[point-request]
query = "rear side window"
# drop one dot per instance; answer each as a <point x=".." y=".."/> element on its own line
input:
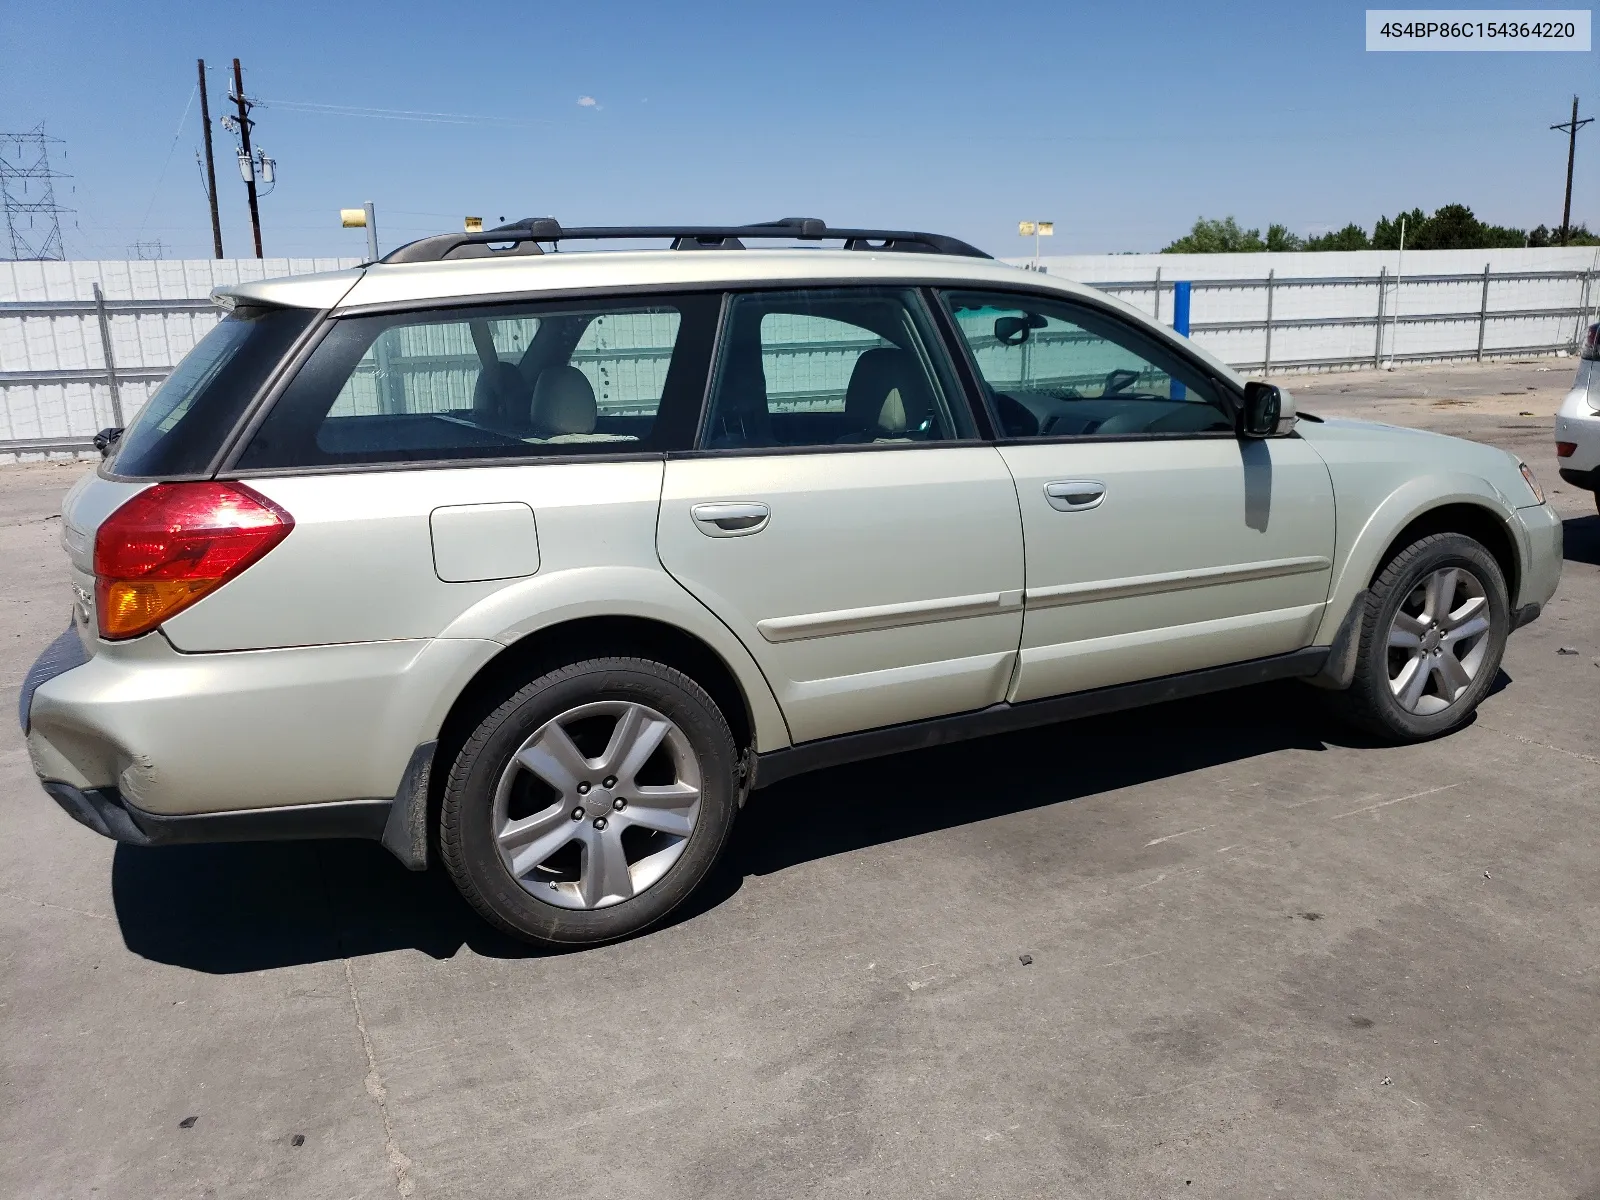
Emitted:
<point x="831" y="366"/>
<point x="501" y="382"/>
<point x="183" y="425"/>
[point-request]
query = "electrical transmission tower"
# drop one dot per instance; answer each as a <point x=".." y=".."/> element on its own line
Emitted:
<point x="28" y="195"/>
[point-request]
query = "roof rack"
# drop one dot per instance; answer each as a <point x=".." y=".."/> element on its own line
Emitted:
<point x="524" y="237"/>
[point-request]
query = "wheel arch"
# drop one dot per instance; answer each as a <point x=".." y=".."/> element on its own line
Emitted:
<point x="1428" y="505"/>
<point x="1476" y="521"/>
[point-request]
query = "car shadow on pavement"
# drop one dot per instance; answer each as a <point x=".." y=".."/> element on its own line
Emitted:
<point x="1581" y="539"/>
<point x="254" y="906"/>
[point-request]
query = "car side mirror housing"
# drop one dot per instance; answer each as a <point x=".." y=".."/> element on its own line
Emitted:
<point x="1267" y="411"/>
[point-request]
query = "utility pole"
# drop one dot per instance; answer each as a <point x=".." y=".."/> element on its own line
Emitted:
<point x="246" y="162"/>
<point x="1570" y="128"/>
<point x="211" y="166"/>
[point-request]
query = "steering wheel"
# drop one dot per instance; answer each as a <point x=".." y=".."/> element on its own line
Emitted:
<point x="1118" y="380"/>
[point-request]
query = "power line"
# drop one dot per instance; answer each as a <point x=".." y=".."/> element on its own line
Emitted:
<point x="167" y="162"/>
<point x="28" y="195"/>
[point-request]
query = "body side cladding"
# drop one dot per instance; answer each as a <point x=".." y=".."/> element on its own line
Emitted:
<point x="778" y="765"/>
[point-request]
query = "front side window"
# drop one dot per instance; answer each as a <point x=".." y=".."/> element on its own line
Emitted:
<point x="826" y="367"/>
<point x="1055" y="369"/>
<point x="601" y="377"/>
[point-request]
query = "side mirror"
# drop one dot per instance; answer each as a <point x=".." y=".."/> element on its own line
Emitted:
<point x="1263" y="406"/>
<point x="105" y="441"/>
<point x="1013" y="331"/>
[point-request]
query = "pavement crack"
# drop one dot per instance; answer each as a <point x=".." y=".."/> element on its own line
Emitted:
<point x="1527" y="741"/>
<point x="82" y="912"/>
<point x="398" y="1162"/>
<point x="1396" y="800"/>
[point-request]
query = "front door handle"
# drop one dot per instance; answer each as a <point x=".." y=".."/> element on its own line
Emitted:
<point x="730" y="520"/>
<point x="1074" y="495"/>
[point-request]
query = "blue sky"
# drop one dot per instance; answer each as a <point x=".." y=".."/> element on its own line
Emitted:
<point x="1120" y="122"/>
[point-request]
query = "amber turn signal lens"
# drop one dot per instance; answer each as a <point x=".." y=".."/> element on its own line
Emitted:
<point x="174" y="543"/>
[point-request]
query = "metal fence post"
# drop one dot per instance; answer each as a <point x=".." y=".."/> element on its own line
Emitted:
<point x="111" y="361"/>
<point x="1483" y="311"/>
<point x="1266" y="357"/>
<point x="1158" y="295"/>
<point x="1383" y="288"/>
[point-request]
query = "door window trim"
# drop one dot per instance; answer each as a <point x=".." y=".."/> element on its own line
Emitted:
<point x="936" y="348"/>
<point x="962" y="350"/>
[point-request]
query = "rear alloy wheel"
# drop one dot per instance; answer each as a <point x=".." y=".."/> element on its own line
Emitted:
<point x="1433" y="632"/>
<point x="591" y="803"/>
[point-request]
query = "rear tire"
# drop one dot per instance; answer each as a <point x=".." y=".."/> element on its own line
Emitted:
<point x="1432" y="635"/>
<point x="591" y="803"/>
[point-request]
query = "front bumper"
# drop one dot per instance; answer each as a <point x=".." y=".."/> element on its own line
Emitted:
<point x="1544" y="538"/>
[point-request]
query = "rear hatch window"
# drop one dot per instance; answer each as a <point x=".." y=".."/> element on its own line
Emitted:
<point x="184" y="424"/>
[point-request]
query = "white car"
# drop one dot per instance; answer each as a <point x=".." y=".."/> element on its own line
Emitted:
<point x="1578" y="422"/>
<point x="540" y="562"/>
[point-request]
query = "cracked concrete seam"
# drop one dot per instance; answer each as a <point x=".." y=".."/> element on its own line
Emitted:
<point x="398" y="1162"/>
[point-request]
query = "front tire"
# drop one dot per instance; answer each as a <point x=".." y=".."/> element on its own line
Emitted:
<point x="1432" y="635"/>
<point x="591" y="803"/>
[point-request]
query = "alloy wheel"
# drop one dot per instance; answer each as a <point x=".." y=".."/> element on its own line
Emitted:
<point x="1438" y="641"/>
<point x="597" y="805"/>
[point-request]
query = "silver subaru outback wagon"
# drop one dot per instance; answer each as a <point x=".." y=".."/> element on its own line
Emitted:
<point x="538" y="562"/>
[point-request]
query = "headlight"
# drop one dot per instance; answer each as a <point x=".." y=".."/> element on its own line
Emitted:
<point x="1533" y="484"/>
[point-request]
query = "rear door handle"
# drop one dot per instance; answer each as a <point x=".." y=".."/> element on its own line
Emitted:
<point x="1074" y="495"/>
<point x="730" y="520"/>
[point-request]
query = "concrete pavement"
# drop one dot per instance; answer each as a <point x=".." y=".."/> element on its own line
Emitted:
<point x="1266" y="958"/>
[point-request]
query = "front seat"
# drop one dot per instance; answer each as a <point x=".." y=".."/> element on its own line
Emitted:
<point x="499" y="397"/>
<point x="887" y="399"/>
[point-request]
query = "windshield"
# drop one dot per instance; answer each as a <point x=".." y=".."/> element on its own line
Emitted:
<point x="183" y="425"/>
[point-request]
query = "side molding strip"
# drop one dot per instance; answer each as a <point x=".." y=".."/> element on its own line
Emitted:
<point x="1002" y="718"/>
<point x="886" y="616"/>
<point x="1171" y="581"/>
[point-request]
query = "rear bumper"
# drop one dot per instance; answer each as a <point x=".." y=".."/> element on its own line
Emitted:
<point x="104" y="811"/>
<point x="146" y="744"/>
<point x="1588" y="480"/>
<point x="1579" y="424"/>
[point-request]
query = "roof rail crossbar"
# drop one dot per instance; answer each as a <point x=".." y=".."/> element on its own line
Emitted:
<point x="523" y="237"/>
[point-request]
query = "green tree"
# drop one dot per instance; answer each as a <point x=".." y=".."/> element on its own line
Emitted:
<point x="1217" y="237"/>
<point x="1451" y="227"/>
<point x="1351" y="237"/>
<point x="1279" y="239"/>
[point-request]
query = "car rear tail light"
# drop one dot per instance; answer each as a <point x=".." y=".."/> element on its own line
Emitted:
<point x="174" y="543"/>
<point x="1591" y="343"/>
<point x="1566" y="449"/>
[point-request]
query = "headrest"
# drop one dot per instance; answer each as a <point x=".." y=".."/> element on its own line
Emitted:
<point x="563" y="402"/>
<point x="500" y="393"/>
<point x="886" y="392"/>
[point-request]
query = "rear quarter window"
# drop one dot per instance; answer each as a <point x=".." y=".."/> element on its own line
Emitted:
<point x="184" y="424"/>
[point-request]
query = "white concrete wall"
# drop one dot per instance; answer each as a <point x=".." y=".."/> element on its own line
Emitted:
<point x="72" y="341"/>
<point x="1416" y="297"/>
